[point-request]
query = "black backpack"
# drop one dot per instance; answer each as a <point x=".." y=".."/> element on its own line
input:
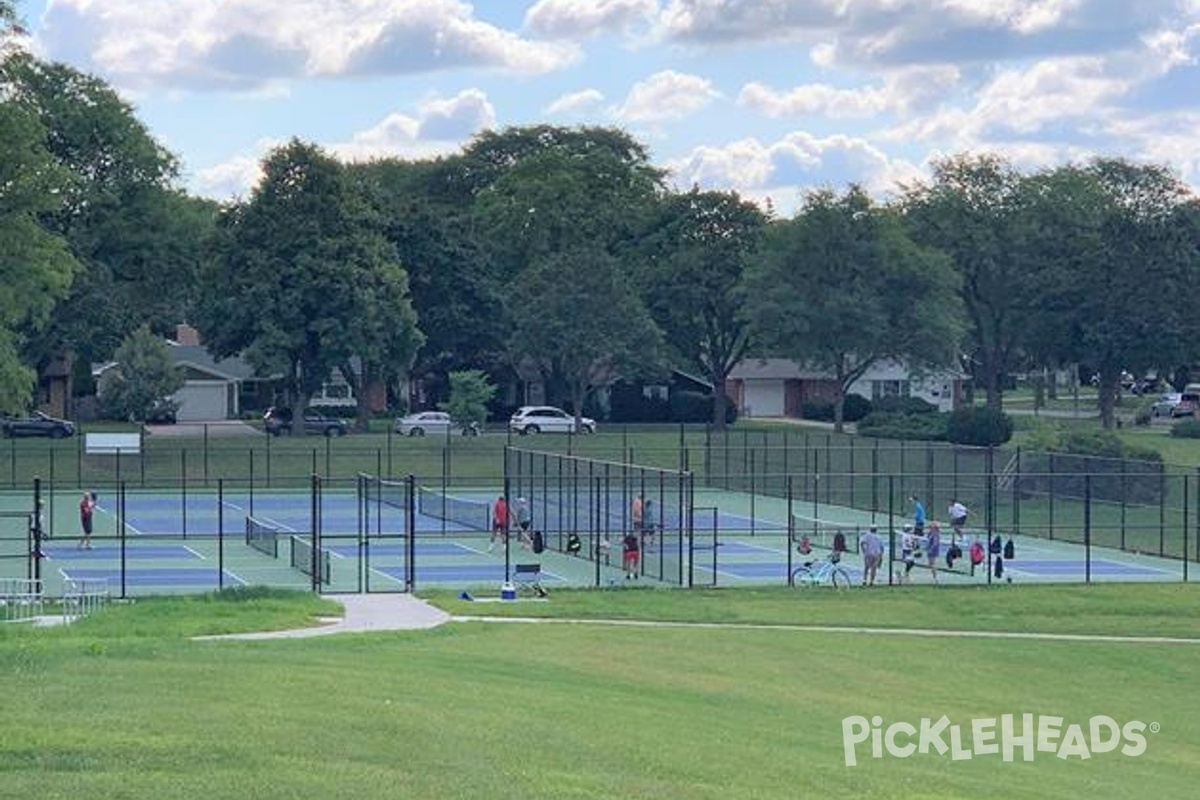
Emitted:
<point x="996" y="546"/>
<point x="1010" y="550"/>
<point x="538" y="543"/>
<point x="573" y="544"/>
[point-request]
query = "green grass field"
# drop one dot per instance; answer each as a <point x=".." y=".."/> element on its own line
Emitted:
<point x="124" y="705"/>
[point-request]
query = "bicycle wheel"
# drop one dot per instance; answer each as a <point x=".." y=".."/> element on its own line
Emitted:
<point x="802" y="576"/>
<point x="840" y="578"/>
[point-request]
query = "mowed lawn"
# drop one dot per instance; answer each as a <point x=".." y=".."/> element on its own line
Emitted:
<point x="126" y="706"/>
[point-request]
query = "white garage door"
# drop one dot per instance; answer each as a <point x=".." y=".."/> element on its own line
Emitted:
<point x="201" y="402"/>
<point x="763" y="399"/>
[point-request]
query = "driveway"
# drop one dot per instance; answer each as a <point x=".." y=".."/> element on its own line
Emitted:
<point x="222" y="429"/>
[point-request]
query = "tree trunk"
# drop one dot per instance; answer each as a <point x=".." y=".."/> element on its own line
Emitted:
<point x="720" y="400"/>
<point x="578" y="393"/>
<point x="362" y="421"/>
<point x="992" y="377"/>
<point x="1110" y="386"/>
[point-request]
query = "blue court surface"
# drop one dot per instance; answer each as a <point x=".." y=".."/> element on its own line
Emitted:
<point x="423" y="549"/>
<point x="182" y="578"/>
<point x="113" y="552"/>
<point x="460" y="573"/>
<point x="1075" y="567"/>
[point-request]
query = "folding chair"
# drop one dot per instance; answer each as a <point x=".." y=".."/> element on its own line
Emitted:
<point x="528" y="578"/>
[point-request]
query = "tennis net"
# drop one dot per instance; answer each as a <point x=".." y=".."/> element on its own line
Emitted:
<point x="264" y="536"/>
<point x="473" y="514"/>
<point x="302" y="558"/>
<point x="388" y="493"/>
<point x="824" y="534"/>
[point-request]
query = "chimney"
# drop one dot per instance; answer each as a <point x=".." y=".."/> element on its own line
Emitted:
<point x="186" y="335"/>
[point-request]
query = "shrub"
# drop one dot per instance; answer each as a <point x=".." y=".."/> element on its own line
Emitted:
<point x="979" y="426"/>
<point x="904" y="405"/>
<point x="1119" y="472"/>
<point x="1188" y="429"/>
<point x="885" y="425"/>
<point x="854" y="408"/>
<point x="697" y="407"/>
<point x="627" y="403"/>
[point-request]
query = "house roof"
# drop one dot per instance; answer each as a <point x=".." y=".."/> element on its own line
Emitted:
<point x="772" y="369"/>
<point x="198" y="358"/>
<point x="787" y="369"/>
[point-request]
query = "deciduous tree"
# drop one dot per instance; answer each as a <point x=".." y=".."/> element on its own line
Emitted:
<point x="842" y="286"/>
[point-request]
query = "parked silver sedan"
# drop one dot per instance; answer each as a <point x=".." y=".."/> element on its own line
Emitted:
<point x="433" y="423"/>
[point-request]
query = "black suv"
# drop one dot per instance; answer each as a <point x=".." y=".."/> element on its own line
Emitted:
<point x="37" y="424"/>
<point x="278" y="421"/>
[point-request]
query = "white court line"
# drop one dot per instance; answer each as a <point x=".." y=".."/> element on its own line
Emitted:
<point x="102" y="509"/>
<point x="196" y="553"/>
<point x="920" y="632"/>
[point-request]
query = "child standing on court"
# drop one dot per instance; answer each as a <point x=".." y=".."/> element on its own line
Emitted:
<point x="631" y="549"/>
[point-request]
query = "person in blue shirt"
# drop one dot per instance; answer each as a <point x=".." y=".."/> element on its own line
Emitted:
<point x="918" y="516"/>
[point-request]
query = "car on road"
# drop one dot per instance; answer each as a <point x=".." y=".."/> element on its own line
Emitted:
<point x="1165" y="405"/>
<point x="432" y="422"/>
<point x="547" y="419"/>
<point x="38" y="424"/>
<point x="1189" y="403"/>
<point x="278" y="421"/>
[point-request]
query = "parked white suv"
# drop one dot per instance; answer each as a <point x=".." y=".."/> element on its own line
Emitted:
<point x="547" y="419"/>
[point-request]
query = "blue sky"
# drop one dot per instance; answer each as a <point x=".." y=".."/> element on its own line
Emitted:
<point x="765" y="97"/>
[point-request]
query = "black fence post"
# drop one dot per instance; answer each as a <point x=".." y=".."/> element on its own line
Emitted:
<point x="891" y="524"/>
<point x="315" y="516"/>
<point x="220" y="533"/>
<point x="34" y="570"/>
<point x="1087" y="527"/>
<point x="121" y="533"/>
<point x="410" y="531"/>
<point x="791" y="529"/>
<point x="206" y="455"/>
<point x="1186" y="510"/>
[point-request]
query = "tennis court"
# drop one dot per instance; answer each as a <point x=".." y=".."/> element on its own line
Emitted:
<point x="372" y="534"/>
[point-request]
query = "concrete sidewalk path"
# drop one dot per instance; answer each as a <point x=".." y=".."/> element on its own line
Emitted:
<point x="364" y="612"/>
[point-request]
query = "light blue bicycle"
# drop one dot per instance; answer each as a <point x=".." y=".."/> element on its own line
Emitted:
<point x="818" y="573"/>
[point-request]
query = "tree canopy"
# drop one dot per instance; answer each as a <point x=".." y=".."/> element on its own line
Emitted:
<point x="577" y="317"/>
<point x="842" y="286"/>
<point x="697" y="249"/>
<point x="1116" y="263"/>
<point x="303" y="280"/>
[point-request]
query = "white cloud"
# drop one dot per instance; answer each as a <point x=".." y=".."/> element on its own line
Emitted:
<point x="440" y="126"/>
<point x="665" y="96"/>
<point x="575" y="103"/>
<point x="782" y="170"/>
<point x="242" y="43"/>
<point x="233" y="178"/>
<point x="573" y="19"/>
<point x="902" y="91"/>
<point x="882" y="32"/>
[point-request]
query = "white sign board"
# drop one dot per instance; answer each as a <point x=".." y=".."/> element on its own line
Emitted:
<point x="110" y="443"/>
